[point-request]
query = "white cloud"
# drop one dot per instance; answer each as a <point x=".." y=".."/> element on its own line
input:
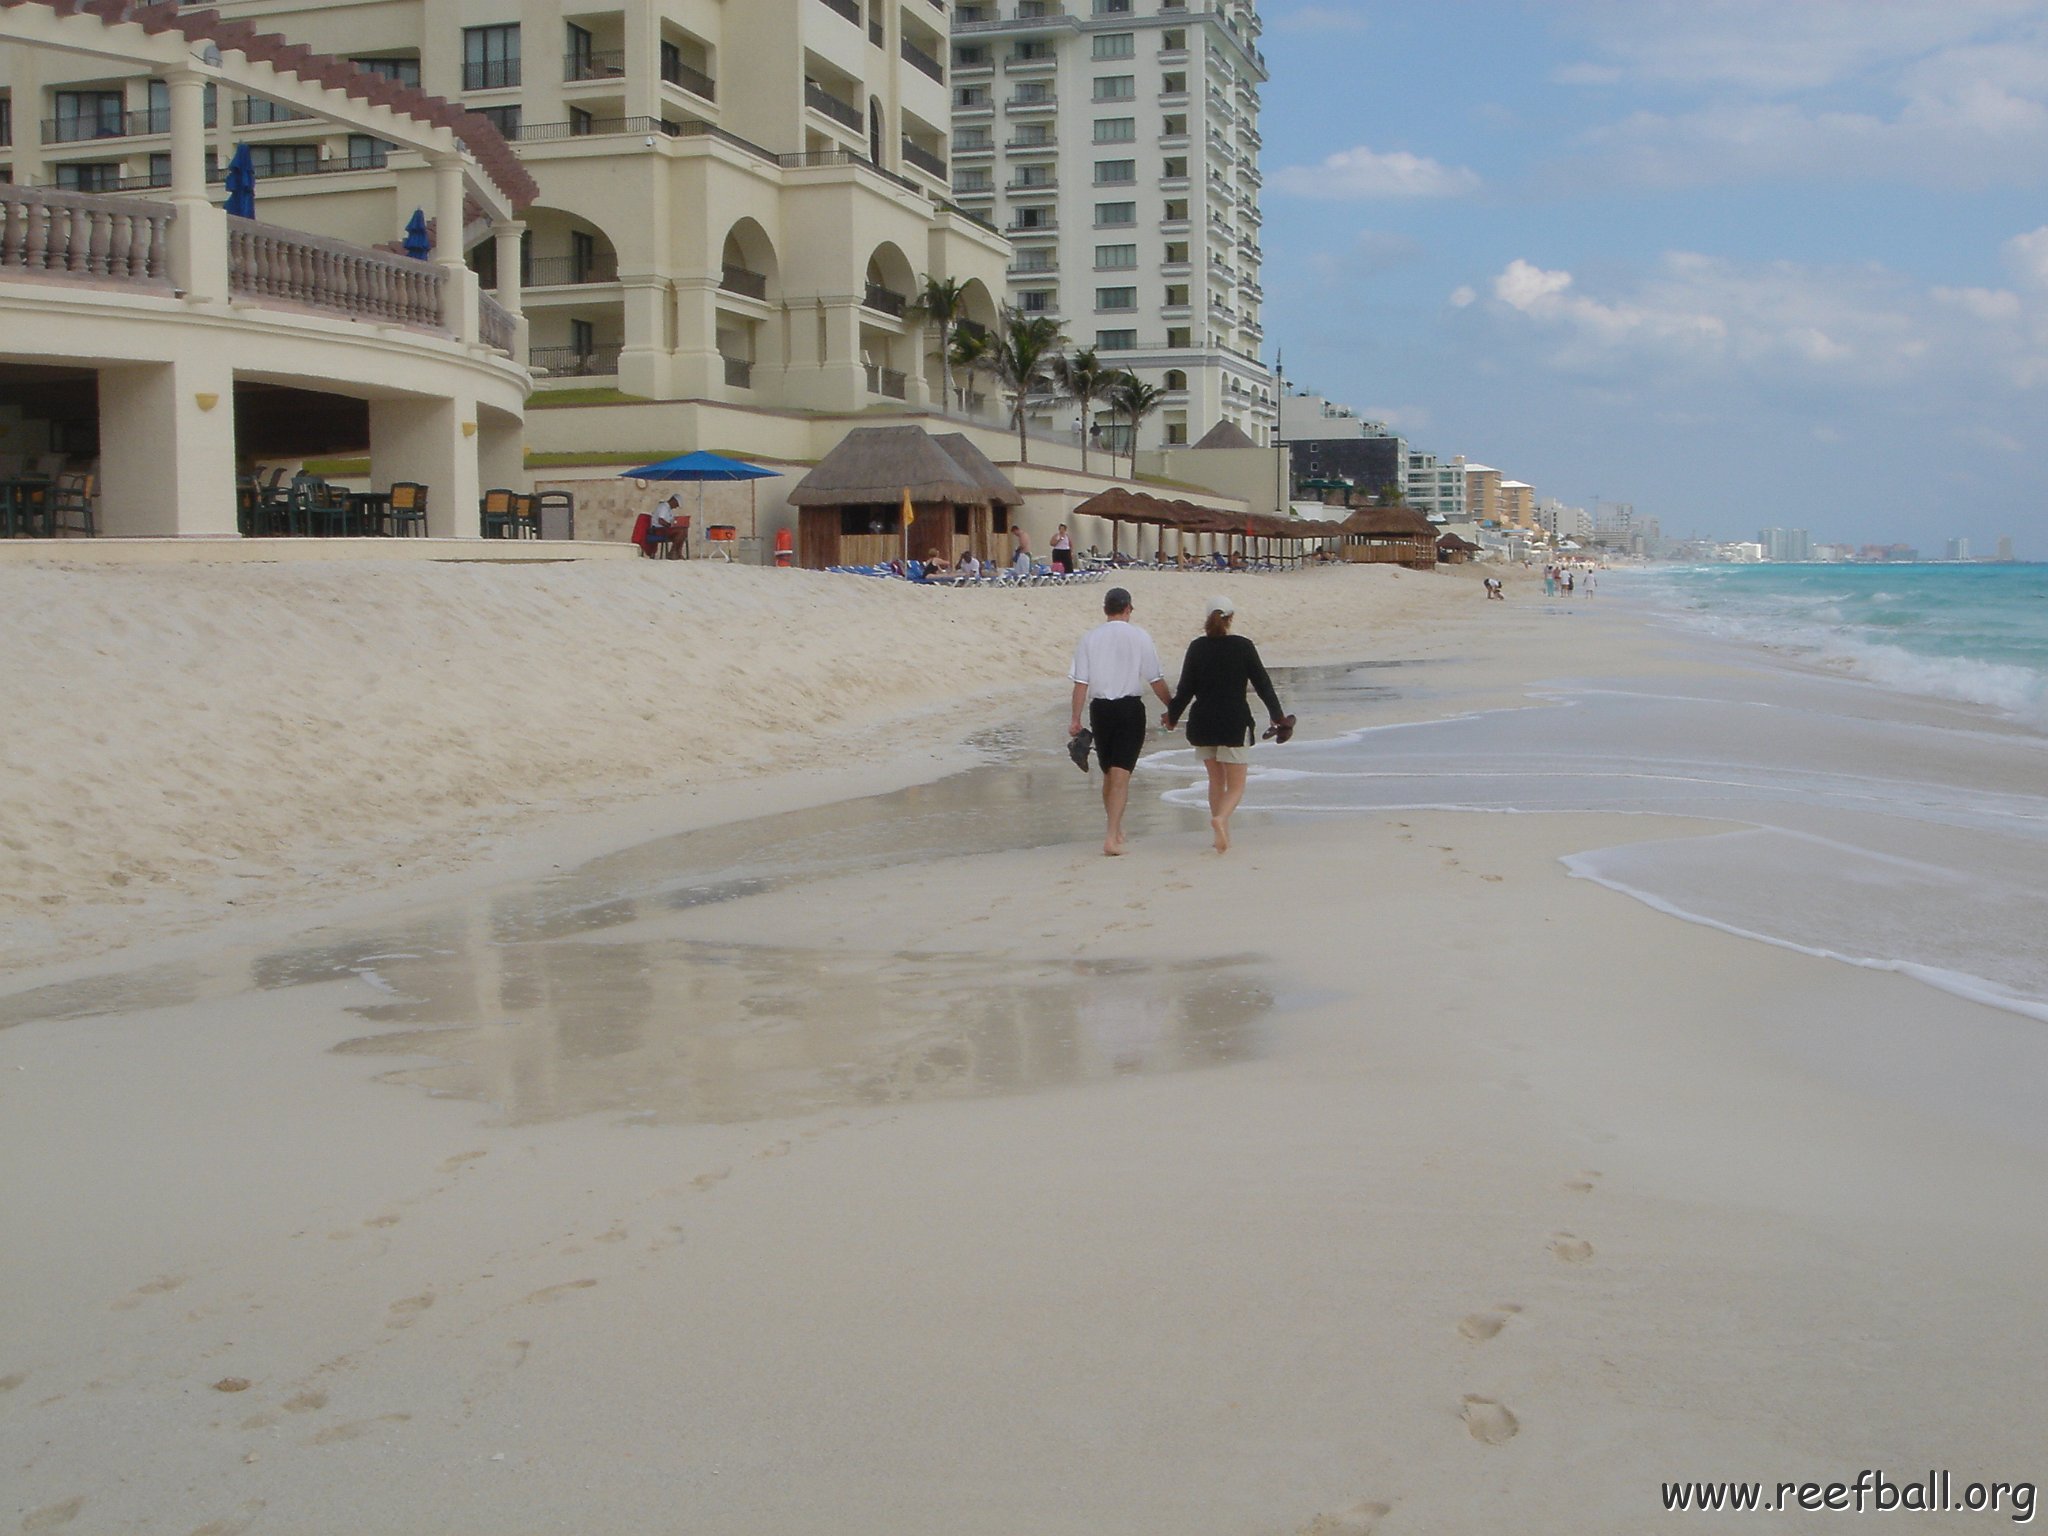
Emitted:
<point x="1362" y="173"/>
<point x="1462" y="296"/>
<point x="2027" y="255"/>
<point x="1320" y="18"/>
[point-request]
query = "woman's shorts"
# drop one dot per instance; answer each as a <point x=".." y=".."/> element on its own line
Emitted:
<point x="1239" y="755"/>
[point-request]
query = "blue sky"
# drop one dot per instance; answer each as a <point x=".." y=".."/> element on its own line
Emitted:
<point x="1742" y="263"/>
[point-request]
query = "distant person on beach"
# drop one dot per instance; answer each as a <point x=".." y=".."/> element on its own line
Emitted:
<point x="1493" y="589"/>
<point x="1020" y="557"/>
<point x="1113" y="666"/>
<point x="1213" y="678"/>
<point x="664" y="533"/>
<point x="1062" y="551"/>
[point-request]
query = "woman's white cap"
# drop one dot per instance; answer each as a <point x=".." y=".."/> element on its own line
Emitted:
<point x="1222" y="605"/>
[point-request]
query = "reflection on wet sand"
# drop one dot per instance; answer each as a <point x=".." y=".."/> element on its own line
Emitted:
<point x="680" y="1031"/>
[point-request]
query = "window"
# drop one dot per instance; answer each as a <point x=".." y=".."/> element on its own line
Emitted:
<point x="1037" y="301"/>
<point x="89" y="176"/>
<point x="1111" y="215"/>
<point x="1112" y="7"/>
<point x="88" y="115"/>
<point x="257" y="110"/>
<point x="284" y="159"/>
<point x="1116" y="45"/>
<point x="1116" y="341"/>
<point x="1180" y="336"/>
<point x="490" y="58"/>
<point x="6" y="120"/>
<point x="366" y="152"/>
<point x="581" y="123"/>
<point x="581" y="46"/>
<point x="403" y="71"/>
<point x="1116" y="298"/>
<point x="1175" y="379"/>
<point x="1116" y="130"/>
<point x="1114" y="258"/>
<point x="1033" y="218"/>
<point x="971" y="58"/>
<point x="1115" y="173"/>
<point x="159" y="170"/>
<point x="1116" y="88"/>
<point x="504" y="119"/>
<point x="1032" y="136"/>
<point x="973" y="138"/>
<point x="1033" y="176"/>
<point x="1176" y="434"/>
<point x="1031" y="53"/>
<point x="970" y="97"/>
<point x="972" y="181"/>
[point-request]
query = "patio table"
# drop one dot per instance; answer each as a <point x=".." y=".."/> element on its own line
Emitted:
<point x="370" y="511"/>
<point x="22" y="500"/>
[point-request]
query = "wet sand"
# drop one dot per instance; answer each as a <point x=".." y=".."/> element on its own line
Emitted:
<point x="901" y="1165"/>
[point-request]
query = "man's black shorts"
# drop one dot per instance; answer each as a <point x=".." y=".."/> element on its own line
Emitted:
<point x="1119" y="727"/>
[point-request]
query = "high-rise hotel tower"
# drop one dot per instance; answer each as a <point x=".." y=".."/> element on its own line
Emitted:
<point x="1116" y="142"/>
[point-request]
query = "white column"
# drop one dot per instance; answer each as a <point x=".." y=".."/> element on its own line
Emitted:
<point x="458" y="289"/>
<point x="199" y="241"/>
<point x="506" y="234"/>
<point x="434" y="442"/>
<point x="167" y="446"/>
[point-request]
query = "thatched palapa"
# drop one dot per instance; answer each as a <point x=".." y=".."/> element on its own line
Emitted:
<point x="851" y="505"/>
<point x="1390" y="535"/>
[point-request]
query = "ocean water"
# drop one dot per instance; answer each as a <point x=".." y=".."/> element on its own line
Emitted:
<point x="1973" y="633"/>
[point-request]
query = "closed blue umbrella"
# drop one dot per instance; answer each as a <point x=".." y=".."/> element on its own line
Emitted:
<point x="701" y="466"/>
<point x="240" y="182"/>
<point x="417" y="241"/>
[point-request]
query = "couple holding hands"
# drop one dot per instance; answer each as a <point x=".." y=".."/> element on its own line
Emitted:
<point x="1115" y="664"/>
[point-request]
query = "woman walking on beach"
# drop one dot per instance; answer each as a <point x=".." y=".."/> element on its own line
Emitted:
<point x="1213" y="678"/>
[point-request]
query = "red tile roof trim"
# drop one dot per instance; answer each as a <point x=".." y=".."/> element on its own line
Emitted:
<point x="497" y="158"/>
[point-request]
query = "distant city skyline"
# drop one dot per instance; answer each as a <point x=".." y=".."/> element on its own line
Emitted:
<point x="1742" y="264"/>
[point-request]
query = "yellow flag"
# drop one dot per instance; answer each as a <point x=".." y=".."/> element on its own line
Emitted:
<point x="909" y="512"/>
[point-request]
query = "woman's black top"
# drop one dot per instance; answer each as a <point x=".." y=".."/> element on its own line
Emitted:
<point x="1214" y="675"/>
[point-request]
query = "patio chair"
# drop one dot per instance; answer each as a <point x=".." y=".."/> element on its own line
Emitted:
<point x="71" y="504"/>
<point x="525" y="516"/>
<point x="499" y="514"/>
<point x="408" y="508"/>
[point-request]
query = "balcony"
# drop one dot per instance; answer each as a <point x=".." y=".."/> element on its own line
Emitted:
<point x="576" y="362"/>
<point x="923" y="62"/>
<point x="971" y="104"/>
<point x="105" y="125"/>
<point x="1048" y="228"/>
<point x="1031" y="64"/>
<point x="850" y="9"/>
<point x="695" y="81"/>
<point x="607" y="64"/>
<point x="752" y="285"/>
<point x="973" y="68"/>
<point x="1034" y="269"/>
<point x="1049" y="145"/>
<point x="568" y="271"/>
<point x="739" y="373"/>
<point x="818" y="99"/>
<point x="1031" y="106"/>
<point x="925" y="160"/>
<point x="885" y="300"/>
<point x="887" y="382"/>
<point x="1047" y="185"/>
<point x="964" y="148"/>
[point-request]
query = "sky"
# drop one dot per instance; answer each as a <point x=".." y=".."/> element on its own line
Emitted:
<point x="1741" y="263"/>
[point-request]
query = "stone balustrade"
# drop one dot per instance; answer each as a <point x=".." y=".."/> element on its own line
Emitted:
<point x="268" y="263"/>
<point x="82" y="234"/>
<point x="495" y="324"/>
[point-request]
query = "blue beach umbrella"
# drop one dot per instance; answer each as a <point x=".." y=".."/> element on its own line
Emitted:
<point x="240" y="182"/>
<point x="417" y="241"/>
<point x="701" y="466"/>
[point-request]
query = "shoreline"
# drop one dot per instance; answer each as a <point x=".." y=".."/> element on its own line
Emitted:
<point x="1379" y="1177"/>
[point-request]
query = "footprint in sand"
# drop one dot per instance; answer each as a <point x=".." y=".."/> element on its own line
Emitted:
<point x="235" y="1524"/>
<point x="14" y="1379"/>
<point x="306" y="1402"/>
<point x="355" y="1429"/>
<point x="50" y="1516"/>
<point x="1572" y="1250"/>
<point x="1481" y="1326"/>
<point x="616" y="1235"/>
<point x="449" y="1165"/>
<point x="388" y="1219"/>
<point x="706" y="1180"/>
<point x="1358" y="1520"/>
<point x="780" y="1149"/>
<point x="405" y="1313"/>
<point x="550" y="1292"/>
<point x="162" y="1285"/>
<point x="1489" y="1422"/>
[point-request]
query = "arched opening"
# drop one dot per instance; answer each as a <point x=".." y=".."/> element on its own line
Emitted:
<point x="1176" y="380"/>
<point x="747" y="338"/>
<point x="889" y="347"/>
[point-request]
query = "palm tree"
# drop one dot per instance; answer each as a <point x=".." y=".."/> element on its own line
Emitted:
<point x="1020" y="355"/>
<point x="943" y="304"/>
<point x="1084" y="379"/>
<point x="1133" y="399"/>
<point x="971" y="354"/>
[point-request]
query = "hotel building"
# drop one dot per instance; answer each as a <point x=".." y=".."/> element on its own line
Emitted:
<point x="1116" y="143"/>
<point x="737" y="203"/>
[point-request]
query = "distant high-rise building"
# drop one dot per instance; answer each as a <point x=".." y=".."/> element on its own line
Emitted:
<point x="1959" y="549"/>
<point x="2005" y="548"/>
<point x="1437" y="487"/>
<point x="1518" y="504"/>
<point x="1786" y="544"/>
<point x="1482" y="493"/>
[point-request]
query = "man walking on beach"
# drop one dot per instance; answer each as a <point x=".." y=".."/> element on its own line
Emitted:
<point x="1114" y="665"/>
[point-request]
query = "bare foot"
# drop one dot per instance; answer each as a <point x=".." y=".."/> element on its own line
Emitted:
<point x="1114" y="850"/>
<point x="1221" y="828"/>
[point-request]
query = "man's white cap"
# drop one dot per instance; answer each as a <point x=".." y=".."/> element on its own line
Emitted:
<point x="1222" y="605"/>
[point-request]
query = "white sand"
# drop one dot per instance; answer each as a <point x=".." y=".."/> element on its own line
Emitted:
<point x="1522" y="1200"/>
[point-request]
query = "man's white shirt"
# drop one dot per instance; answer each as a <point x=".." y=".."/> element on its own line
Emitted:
<point x="1117" y="660"/>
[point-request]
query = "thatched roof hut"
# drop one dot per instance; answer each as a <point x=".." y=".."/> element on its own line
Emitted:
<point x="851" y="505"/>
<point x="1393" y="535"/>
<point x="1226" y="434"/>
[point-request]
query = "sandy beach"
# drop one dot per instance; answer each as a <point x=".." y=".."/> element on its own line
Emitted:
<point x="659" y="1049"/>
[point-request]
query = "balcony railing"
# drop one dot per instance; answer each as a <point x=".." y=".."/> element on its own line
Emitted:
<point x="695" y="81"/>
<point x="490" y="74"/>
<point x="495" y="325"/>
<point x="918" y="59"/>
<point x="916" y="154"/>
<point x="819" y="99"/>
<point x="1049" y="143"/>
<point x="607" y="64"/>
<point x="1049" y="184"/>
<point x="80" y="234"/>
<point x="284" y="265"/>
<point x="105" y="125"/>
<point x="887" y="381"/>
<point x="565" y="271"/>
<point x="1046" y="227"/>
<point x="254" y="112"/>
<point x="847" y="8"/>
<point x="576" y="362"/>
<point x="887" y="300"/>
<point x="753" y="285"/>
<point x="739" y="373"/>
<point x="1032" y="104"/>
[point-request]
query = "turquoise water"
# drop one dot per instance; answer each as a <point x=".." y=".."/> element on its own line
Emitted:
<point x="1977" y="633"/>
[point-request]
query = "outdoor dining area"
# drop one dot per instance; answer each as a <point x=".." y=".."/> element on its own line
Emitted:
<point x="303" y="505"/>
<point x="40" y="499"/>
<point x="1208" y="538"/>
